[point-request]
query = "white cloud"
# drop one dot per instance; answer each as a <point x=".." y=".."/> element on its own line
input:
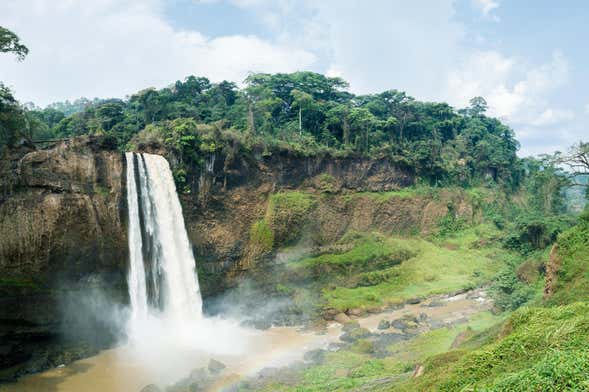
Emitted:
<point x="513" y="89"/>
<point x="486" y="7"/>
<point x="553" y="116"/>
<point x="111" y="48"/>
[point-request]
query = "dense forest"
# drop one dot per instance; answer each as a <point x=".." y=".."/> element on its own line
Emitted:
<point x="303" y="111"/>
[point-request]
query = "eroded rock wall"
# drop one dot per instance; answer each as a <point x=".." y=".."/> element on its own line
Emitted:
<point x="62" y="241"/>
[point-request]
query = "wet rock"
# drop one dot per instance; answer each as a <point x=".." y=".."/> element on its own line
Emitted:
<point x="151" y="388"/>
<point x="358" y="333"/>
<point x="405" y="322"/>
<point x="261" y="324"/>
<point x="315" y="356"/>
<point x="393" y="307"/>
<point x="363" y="346"/>
<point x="199" y="374"/>
<point x="342" y="318"/>
<point x="329" y="314"/>
<point x="350" y="326"/>
<point x="413" y="301"/>
<point x="384" y="324"/>
<point x="435" y="303"/>
<point x="411" y="331"/>
<point x="335" y="346"/>
<point x="216" y="366"/>
<point x="357" y="312"/>
<point x="436" y="324"/>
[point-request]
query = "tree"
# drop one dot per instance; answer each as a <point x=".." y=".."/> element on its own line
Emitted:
<point x="10" y="43"/>
<point x="478" y="106"/>
<point x="364" y="122"/>
<point x="301" y="100"/>
<point x="577" y="160"/>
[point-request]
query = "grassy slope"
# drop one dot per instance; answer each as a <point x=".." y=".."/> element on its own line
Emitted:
<point x="539" y="348"/>
<point x="409" y="268"/>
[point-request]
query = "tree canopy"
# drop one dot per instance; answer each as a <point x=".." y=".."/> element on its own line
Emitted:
<point x="310" y="112"/>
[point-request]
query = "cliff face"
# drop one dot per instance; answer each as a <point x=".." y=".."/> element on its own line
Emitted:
<point x="63" y="231"/>
<point x="62" y="238"/>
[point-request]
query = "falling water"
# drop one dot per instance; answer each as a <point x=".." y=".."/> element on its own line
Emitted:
<point x="162" y="277"/>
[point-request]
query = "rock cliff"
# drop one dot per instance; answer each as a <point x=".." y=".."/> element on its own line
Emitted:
<point x="63" y="234"/>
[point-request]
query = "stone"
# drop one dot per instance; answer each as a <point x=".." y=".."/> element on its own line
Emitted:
<point x="351" y="325"/>
<point x="384" y="324"/>
<point x="355" y="312"/>
<point x="358" y="333"/>
<point x="216" y="366"/>
<point x="342" y="318"/>
<point x="315" y="356"/>
<point x="151" y="388"/>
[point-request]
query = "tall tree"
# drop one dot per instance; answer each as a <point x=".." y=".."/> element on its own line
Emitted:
<point x="10" y="43"/>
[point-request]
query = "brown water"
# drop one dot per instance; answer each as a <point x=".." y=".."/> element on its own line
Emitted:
<point x="121" y="369"/>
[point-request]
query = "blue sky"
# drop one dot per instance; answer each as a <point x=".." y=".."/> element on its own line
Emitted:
<point x="527" y="58"/>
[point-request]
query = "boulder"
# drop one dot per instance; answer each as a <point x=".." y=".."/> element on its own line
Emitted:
<point x="342" y="318"/>
<point x="358" y="333"/>
<point x="216" y="366"/>
<point x="351" y="325"/>
<point x="384" y="324"/>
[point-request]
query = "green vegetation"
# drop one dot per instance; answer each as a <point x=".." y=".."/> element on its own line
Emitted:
<point x="287" y="214"/>
<point x="304" y="112"/>
<point x="261" y="237"/>
<point x="531" y="339"/>
<point x="572" y="279"/>
<point x="433" y="270"/>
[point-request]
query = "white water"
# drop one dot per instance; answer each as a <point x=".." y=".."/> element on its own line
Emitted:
<point x="164" y="247"/>
<point x="136" y="278"/>
<point x="168" y="335"/>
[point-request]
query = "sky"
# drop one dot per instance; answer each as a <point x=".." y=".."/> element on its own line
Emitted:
<point x="527" y="58"/>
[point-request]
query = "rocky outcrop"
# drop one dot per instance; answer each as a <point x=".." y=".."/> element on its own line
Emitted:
<point x="552" y="268"/>
<point x="63" y="251"/>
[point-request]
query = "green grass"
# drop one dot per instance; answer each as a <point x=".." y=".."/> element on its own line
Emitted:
<point x="530" y="340"/>
<point x="433" y="270"/>
<point x="572" y="283"/>
<point x="261" y="236"/>
<point x="287" y="215"/>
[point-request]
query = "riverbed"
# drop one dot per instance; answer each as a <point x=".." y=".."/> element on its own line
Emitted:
<point x="125" y="369"/>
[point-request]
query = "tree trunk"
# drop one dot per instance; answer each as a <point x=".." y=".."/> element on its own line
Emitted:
<point x="346" y="127"/>
<point x="300" y="120"/>
<point x="250" y="119"/>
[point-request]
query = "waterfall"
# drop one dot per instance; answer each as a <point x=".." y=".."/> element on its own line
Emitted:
<point x="162" y="277"/>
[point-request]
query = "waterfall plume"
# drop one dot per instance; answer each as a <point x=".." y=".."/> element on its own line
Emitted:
<point x="162" y="277"/>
